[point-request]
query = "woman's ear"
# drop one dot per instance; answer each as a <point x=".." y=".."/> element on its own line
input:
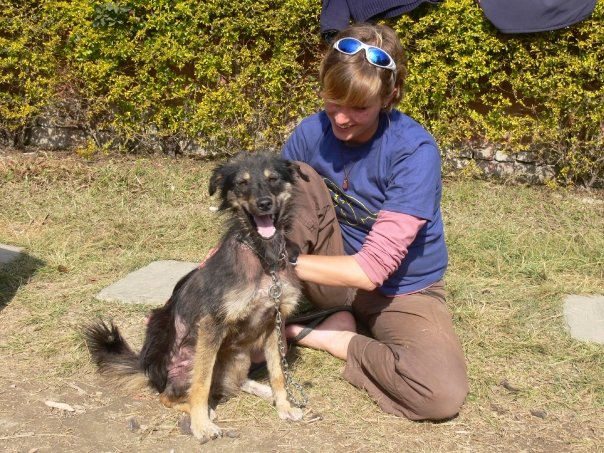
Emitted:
<point x="390" y="99"/>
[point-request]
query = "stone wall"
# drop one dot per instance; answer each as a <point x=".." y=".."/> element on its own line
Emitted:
<point x="487" y="161"/>
<point x="55" y="138"/>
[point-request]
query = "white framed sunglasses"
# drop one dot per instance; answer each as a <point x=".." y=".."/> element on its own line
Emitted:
<point x="374" y="55"/>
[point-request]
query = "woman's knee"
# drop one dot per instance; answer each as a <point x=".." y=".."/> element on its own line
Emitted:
<point x="444" y="400"/>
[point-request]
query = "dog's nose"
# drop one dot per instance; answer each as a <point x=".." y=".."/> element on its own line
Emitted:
<point x="264" y="203"/>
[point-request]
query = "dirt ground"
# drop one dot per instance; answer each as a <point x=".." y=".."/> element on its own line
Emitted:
<point x="87" y="414"/>
<point x="102" y="419"/>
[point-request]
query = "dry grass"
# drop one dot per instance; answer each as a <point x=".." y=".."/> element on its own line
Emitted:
<point x="515" y="253"/>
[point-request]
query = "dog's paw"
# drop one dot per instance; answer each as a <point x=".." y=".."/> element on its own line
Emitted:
<point x="256" y="388"/>
<point x="290" y="413"/>
<point x="205" y="431"/>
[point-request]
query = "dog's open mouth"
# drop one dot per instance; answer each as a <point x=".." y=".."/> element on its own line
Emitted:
<point x="265" y="225"/>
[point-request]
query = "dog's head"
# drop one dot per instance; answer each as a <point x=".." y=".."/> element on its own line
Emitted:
<point x="257" y="188"/>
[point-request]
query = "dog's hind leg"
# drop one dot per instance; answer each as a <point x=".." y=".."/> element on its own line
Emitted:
<point x="277" y="379"/>
<point x="257" y="389"/>
<point x="208" y="343"/>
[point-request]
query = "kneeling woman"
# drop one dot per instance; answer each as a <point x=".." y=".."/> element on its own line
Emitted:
<point x="371" y="233"/>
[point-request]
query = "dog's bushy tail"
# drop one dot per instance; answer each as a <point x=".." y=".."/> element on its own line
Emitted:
<point x="113" y="356"/>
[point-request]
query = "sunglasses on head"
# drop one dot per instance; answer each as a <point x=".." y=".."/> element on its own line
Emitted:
<point x="376" y="56"/>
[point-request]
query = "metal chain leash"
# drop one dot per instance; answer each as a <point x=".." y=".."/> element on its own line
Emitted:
<point x="275" y="291"/>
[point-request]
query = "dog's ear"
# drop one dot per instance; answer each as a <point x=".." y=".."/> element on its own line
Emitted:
<point x="292" y="250"/>
<point x="295" y="167"/>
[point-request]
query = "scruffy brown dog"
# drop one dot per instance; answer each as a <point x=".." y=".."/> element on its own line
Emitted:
<point x="197" y="346"/>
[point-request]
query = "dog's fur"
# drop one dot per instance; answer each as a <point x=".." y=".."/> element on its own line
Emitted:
<point x="197" y="346"/>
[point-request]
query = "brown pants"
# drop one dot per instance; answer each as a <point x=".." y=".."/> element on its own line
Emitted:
<point x="413" y="364"/>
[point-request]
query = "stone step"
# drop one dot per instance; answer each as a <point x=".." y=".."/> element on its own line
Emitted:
<point x="152" y="284"/>
<point x="9" y="253"/>
<point x="585" y="317"/>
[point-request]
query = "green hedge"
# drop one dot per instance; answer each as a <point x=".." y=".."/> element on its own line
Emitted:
<point x="544" y="92"/>
<point x="239" y="75"/>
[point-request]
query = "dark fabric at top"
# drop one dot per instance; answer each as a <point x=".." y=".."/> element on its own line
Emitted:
<point x="529" y="16"/>
<point x="336" y="14"/>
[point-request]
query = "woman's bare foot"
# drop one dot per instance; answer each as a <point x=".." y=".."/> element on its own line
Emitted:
<point x="333" y="335"/>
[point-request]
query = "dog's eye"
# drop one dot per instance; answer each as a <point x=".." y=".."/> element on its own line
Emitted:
<point x="273" y="179"/>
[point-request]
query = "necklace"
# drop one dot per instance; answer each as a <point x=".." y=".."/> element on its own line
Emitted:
<point x="349" y="166"/>
<point x="346" y="181"/>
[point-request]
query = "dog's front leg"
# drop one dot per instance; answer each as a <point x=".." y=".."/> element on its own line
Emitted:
<point x="205" y="356"/>
<point x="277" y="379"/>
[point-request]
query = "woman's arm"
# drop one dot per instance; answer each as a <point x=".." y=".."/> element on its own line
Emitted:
<point x="343" y="271"/>
<point x="382" y="253"/>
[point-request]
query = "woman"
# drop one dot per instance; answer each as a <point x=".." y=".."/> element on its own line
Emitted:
<point x="371" y="233"/>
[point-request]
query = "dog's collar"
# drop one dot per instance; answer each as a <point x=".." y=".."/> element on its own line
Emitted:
<point x="244" y="242"/>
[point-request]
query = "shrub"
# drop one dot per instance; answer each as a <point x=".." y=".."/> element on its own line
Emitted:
<point x="162" y="75"/>
<point x="230" y="75"/>
<point x="542" y="92"/>
<point x="28" y="69"/>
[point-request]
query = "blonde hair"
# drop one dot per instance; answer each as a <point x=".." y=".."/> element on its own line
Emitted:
<point x="351" y="80"/>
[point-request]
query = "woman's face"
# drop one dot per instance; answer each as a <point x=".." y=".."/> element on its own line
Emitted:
<point x="354" y="125"/>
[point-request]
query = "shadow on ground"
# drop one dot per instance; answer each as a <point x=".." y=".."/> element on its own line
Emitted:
<point x="15" y="274"/>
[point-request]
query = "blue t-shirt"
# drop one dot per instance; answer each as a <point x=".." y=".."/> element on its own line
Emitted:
<point x="398" y="170"/>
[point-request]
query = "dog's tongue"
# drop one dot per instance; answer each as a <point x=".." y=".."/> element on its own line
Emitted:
<point x="266" y="229"/>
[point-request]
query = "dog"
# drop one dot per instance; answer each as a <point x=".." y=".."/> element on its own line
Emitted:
<point x="197" y="346"/>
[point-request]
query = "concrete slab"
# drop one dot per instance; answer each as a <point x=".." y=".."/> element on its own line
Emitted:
<point x="9" y="253"/>
<point x="585" y="317"/>
<point x="152" y="284"/>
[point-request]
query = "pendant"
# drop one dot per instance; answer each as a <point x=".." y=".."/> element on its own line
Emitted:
<point x="345" y="183"/>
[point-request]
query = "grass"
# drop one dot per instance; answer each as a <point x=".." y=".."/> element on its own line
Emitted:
<point x="515" y="253"/>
